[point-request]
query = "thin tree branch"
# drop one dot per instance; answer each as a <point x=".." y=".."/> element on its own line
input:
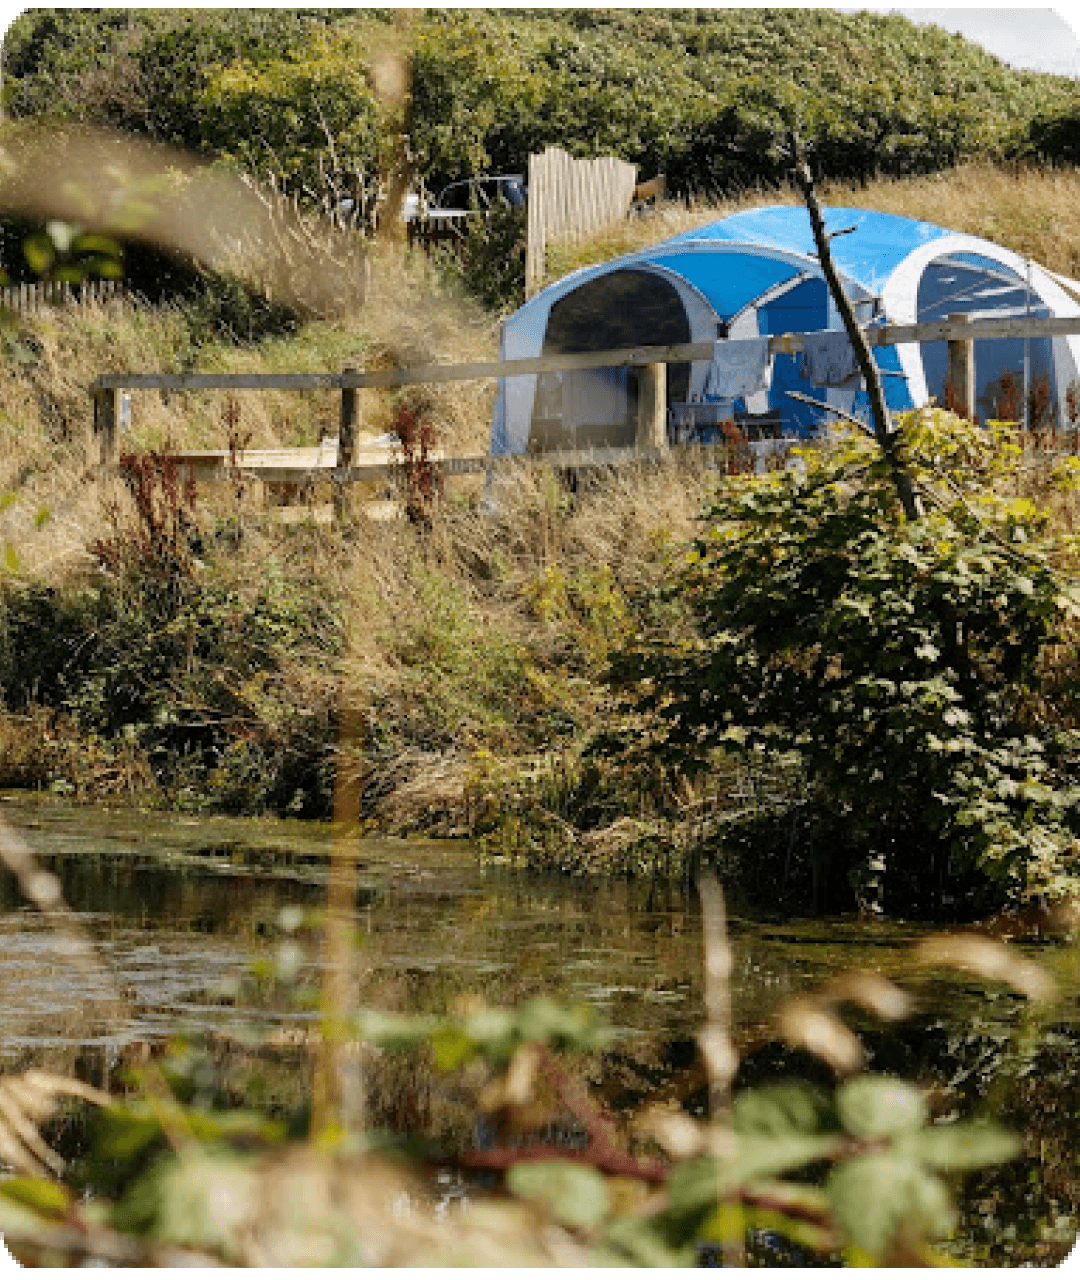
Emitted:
<point x="831" y="408"/>
<point x="883" y="431"/>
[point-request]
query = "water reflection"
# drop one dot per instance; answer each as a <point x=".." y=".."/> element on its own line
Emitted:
<point x="183" y="909"/>
<point x="188" y="917"/>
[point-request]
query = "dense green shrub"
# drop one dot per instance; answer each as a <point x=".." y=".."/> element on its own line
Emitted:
<point x="224" y="689"/>
<point x="900" y="663"/>
<point x="703" y="95"/>
<point x="491" y="261"/>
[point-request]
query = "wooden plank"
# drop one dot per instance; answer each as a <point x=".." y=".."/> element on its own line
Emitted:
<point x="106" y="428"/>
<point x="406" y="377"/>
<point x="562" y="216"/>
<point x="597" y="459"/>
<point x="981" y="330"/>
<point x="208" y="470"/>
<point x="222" y="381"/>
<point x="534" y="236"/>
<point x="348" y="423"/>
<point x="675" y="353"/>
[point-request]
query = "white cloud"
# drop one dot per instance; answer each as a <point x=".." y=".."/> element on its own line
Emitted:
<point x="1031" y="38"/>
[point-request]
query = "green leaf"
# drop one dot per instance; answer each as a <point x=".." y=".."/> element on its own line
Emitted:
<point x="126" y="1130"/>
<point x="71" y="272"/>
<point x="452" y="1048"/>
<point x="545" y="1021"/>
<point x="492" y="1030"/>
<point x="225" y="1126"/>
<point x="641" y="1243"/>
<point x="575" y="1195"/>
<point x="957" y="1148"/>
<point x="783" y="1109"/>
<point x="108" y="269"/>
<point x="876" y="1197"/>
<point x="48" y="1199"/>
<point x="104" y="245"/>
<point x="39" y="252"/>
<point x="699" y="1182"/>
<point x="880" y="1106"/>
<point x="394" y="1031"/>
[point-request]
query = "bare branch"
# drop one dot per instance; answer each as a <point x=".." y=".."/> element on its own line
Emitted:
<point x="883" y="430"/>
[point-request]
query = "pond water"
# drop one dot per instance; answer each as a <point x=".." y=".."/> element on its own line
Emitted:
<point x="191" y="916"/>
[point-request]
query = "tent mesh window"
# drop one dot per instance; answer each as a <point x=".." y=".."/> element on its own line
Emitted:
<point x="598" y="407"/>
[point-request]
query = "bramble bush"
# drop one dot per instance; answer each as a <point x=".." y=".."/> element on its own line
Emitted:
<point x="224" y="690"/>
<point x="902" y="665"/>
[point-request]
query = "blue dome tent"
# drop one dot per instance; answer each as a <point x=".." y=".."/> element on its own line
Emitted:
<point x="756" y="273"/>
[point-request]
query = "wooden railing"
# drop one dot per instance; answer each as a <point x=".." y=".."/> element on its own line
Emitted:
<point x="650" y="361"/>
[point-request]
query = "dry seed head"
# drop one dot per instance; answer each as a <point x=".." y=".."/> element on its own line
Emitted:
<point x="872" y="992"/>
<point x="988" y="958"/>
<point x="721" y="1060"/>
<point x="678" y="1134"/>
<point x="807" y="1023"/>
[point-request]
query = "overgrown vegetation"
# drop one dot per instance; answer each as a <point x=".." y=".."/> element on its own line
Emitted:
<point x="173" y="671"/>
<point x="702" y="96"/>
<point x="905" y="670"/>
<point x="695" y="94"/>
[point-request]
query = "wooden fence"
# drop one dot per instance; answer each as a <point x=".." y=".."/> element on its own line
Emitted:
<point x="346" y="464"/>
<point x="570" y="199"/>
<point x="26" y="298"/>
<point x="433" y="230"/>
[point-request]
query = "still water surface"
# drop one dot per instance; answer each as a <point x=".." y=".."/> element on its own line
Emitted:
<point x="191" y="916"/>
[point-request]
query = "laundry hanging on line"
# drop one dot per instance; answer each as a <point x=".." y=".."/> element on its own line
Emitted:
<point x="740" y="367"/>
<point x="829" y="359"/>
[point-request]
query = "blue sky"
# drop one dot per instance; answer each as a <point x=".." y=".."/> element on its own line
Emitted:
<point x="1029" y="37"/>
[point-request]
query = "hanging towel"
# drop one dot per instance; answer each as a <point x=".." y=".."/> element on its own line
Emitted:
<point x="740" y="367"/>
<point x="828" y="358"/>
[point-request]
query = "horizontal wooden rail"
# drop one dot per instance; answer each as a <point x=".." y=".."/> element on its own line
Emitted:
<point x="677" y="353"/>
<point x="628" y="356"/>
<point x="112" y="408"/>
<point x="981" y="330"/>
<point x="212" y="467"/>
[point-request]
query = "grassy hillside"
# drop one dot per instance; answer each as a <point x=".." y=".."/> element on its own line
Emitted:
<point x="704" y="95"/>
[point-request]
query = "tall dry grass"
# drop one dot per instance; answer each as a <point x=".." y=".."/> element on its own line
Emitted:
<point x="1035" y="212"/>
<point x="486" y="633"/>
<point x="486" y="637"/>
<point x="49" y="509"/>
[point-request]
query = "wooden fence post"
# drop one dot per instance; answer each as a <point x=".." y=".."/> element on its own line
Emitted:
<point x="652" y="408"/>
<point x="107" y="408"/>
<point x="962" y="371"/>
<point x="347" y="430"/>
